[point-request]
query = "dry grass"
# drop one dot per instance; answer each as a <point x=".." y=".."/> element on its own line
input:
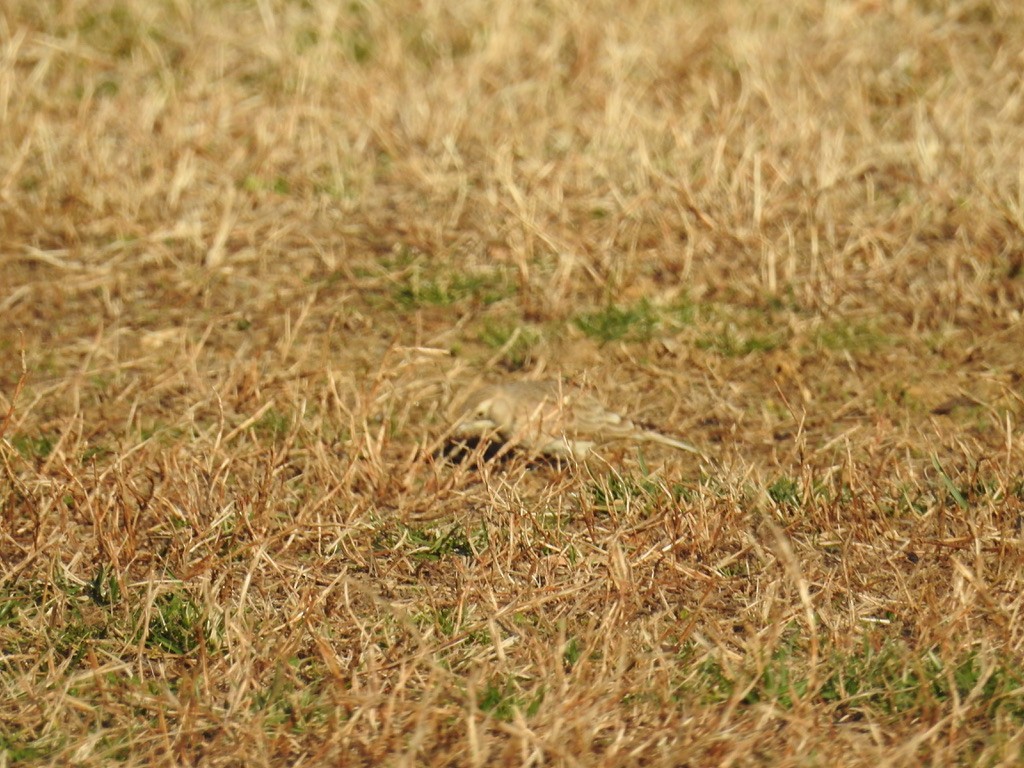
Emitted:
<point x="249" y="251"/>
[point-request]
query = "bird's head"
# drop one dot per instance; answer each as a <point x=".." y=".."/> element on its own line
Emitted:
<point x="485" y="412"/>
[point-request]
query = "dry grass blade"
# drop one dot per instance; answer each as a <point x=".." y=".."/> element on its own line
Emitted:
<point x="249" y="253"/>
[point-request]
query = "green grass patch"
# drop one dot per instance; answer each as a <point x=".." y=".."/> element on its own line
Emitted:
<point x="888" y="680"/>
<point x="852" y="337"/>
<point x="732" y="342"/>
<point x="177" y="624"/>
<point x="421" y="289"/>
<point x="273" y="425"/>
<point x="785" y="491"/>
<point x="615" y="491"/>
<point x="637" y="322"/>
<point x="436" y="545"/>
<point x="33" y="447"/>
<point x="279" y="185"/>
<point x="517" y="341"/>
<point x="503" y="698"/>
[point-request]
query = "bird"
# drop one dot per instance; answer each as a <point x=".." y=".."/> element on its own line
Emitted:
<point x="548" y="418"/>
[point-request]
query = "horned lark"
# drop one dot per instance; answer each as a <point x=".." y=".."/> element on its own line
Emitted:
<point x="548" y="418"/>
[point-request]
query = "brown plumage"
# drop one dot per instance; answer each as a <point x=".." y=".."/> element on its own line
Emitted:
<point x="548" y="418"/>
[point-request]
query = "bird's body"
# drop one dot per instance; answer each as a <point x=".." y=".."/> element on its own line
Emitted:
<point x="548" y="418"/>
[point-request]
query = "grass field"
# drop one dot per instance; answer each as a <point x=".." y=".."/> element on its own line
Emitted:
<point x="251" y="251"/>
